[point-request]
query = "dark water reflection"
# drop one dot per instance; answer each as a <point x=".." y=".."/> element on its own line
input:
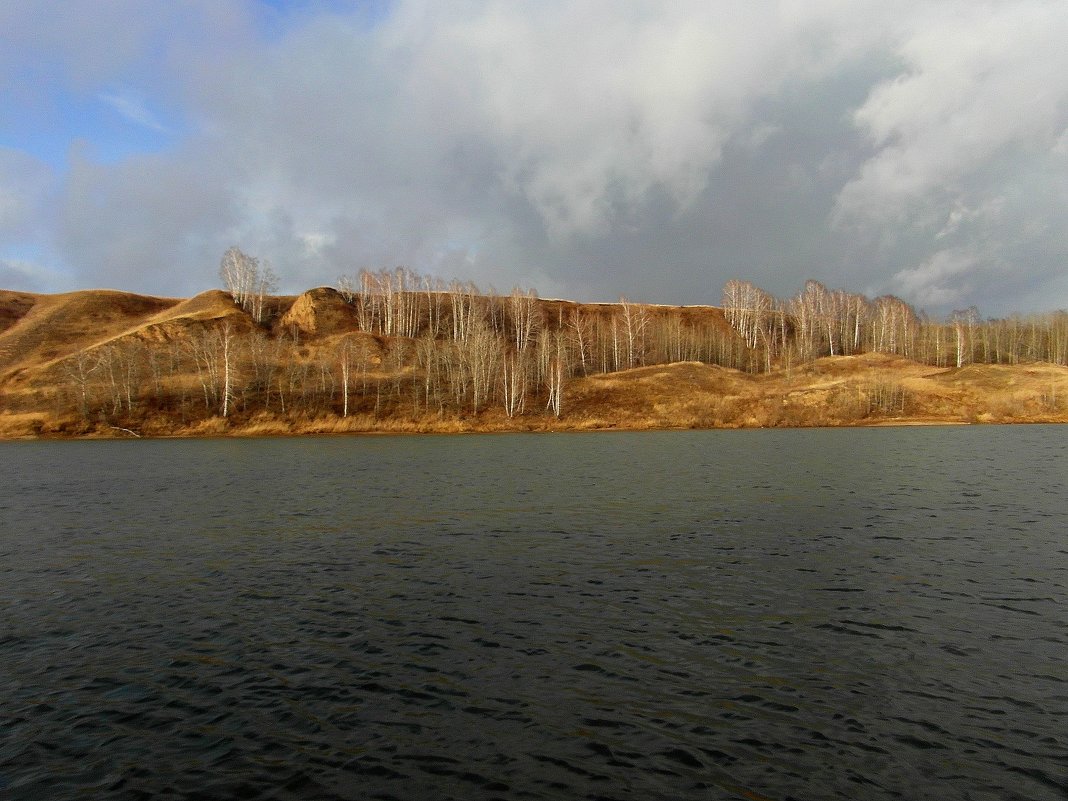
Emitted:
<point x="768" y="614"/>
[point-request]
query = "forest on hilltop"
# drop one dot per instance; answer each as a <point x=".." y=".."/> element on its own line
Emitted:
<point x="392" y="348"/>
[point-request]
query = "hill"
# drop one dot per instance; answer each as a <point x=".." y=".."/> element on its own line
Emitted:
<point x="37" y="329"/>
<point x="107" y="363"/>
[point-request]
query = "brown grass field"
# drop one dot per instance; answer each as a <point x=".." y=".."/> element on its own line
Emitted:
<point x="42" y="338"/>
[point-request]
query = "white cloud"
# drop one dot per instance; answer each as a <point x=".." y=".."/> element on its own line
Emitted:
<point x="595" y="149"/>
<point x="134" y="108"/>
<point x="1060" y="147"/>
<point x="24" y="186"/>
<point x="986" y="212"/>
<point x="979" y="80"/>
<point x="581" y="111"/>
<point x="26" y="275"/>
<point x="590" y="107"/>
<point x="943" y="279"/>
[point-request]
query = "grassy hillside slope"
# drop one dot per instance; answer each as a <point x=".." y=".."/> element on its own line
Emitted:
<point x="106" y="363"/>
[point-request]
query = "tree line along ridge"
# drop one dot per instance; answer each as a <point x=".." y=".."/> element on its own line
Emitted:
<point x="394" y="342"/>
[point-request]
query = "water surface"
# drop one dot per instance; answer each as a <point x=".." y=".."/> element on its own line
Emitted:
<point x="809" y="614"/>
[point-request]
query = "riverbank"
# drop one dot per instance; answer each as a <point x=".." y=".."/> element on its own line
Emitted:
<point x="866" y="390"/>
<point x="112" y="364"/>
<point x="14" y="428"/>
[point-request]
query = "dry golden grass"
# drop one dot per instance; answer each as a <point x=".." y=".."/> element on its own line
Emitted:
<point x="15" y="425"/>
<point x="844" y="390"/>
<point x="56" y="326"/>
<point x="38" y="332"/>
<point x="14" y="306"/>
<point x="209" y="305"/>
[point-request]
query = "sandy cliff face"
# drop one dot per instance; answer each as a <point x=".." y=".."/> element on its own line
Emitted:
<point x="320" y="312"/>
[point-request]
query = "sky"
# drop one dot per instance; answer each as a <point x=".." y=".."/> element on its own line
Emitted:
<point x="588" y="149"/>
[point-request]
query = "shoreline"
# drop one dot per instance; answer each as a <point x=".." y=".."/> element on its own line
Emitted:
<point x="257" y="432"/>
<point x="111" y="365"/>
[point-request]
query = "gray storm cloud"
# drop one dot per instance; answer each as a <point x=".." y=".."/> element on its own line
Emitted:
<point x="587" y="149"/>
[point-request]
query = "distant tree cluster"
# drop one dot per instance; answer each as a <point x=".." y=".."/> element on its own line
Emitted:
<point x="821" y="322"/>
<point x="248" y="282"/>
<point x="470" y="350"/>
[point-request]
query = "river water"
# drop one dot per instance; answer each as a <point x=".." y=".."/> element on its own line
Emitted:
<point x="797" y="614"/>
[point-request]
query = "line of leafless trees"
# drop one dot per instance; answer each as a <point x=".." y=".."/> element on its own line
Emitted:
<point x="466" y="350"/>
<point x="821" y="322"/>
<point x="413" y="344"/>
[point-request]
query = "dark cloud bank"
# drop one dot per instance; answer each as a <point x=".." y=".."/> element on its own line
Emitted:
<point x="588" y="150"/>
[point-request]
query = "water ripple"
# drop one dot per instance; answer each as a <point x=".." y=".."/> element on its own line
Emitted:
<point x="791" y="619"/>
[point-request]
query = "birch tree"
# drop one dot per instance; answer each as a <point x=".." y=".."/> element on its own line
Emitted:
<point x="635" y="326"/>
<point x="227" y="343"/>
<point x="581" y="327"/>
<point x="248" y="283"/>
<point x="523" y="307"/>
<point x="553" y="357"/>
<point x="79" y="370"/>
<point x="964" y="322"/>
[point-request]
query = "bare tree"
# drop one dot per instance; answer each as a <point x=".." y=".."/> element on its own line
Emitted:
<point x="79" y="369"/>
<point x="523" y="307"/>
<point x="748" y="310"/>
<point x="514" y="383"/>
<point x="122" y="360"/>
<point x="227" y="338"/>
<point x="266" y="284"/>
<point x="247" y="283"/>
<point x="346" y="286"/>
<point x="214" y="353"/>
<point x="964" y="322"/>
<point x="635" y="325"/>
<point x="480" y="354"/>
<point x="239" y="273"/>
<point x="344" y="355"/>
<point x="554" y="359"/>
<point x="581" y="327"/>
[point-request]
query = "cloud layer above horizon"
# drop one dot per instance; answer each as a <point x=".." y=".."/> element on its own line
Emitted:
<point x="588" y="150"/>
